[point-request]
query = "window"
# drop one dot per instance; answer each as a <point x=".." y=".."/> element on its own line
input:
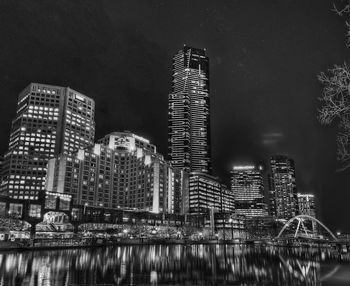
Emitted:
<point x="64" y="204"/>
<point x="2" y="209"/>
<point x="50" y="202"/>
<point x="16" y="210"/>
<point x="35" y="211"/>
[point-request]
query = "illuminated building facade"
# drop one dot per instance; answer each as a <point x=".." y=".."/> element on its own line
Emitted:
<point x="283" y="190"/>
<point x="207" y="193"/>
<point x="127" y="140"/>
<point x="189" y="112"/>
<point x="227" y="199"/>
<point x="247" y="185"/>
<point x="117" y="174"/>
<point x="306" y="204"/>
<point x="50" y="120"/>
<point x="180" y="193"/>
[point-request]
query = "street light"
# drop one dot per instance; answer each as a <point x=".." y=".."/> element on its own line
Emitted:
<point x="178" y="234"/>
<point x="125" y="231"/>
<point x="200" y="235"/>
<point x="231" y="222"/>
<point x="85" y="205"/>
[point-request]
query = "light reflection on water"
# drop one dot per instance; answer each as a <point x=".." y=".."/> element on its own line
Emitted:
<point x="175" y="265"/>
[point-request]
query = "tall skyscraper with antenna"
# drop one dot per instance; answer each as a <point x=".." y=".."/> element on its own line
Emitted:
<point x="189" y="112"/>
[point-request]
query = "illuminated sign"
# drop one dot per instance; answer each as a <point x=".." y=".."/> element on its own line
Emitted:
<point x="141" y="138"/>
<point x="243" y="168"/>
<point x="124" y="143"/>
<point x="79" y="97"/>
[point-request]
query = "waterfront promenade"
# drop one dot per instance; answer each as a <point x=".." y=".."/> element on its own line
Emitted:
<point x="69" y="243"/>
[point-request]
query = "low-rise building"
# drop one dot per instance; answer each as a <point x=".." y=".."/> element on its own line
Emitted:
<point x="207" y="193"/>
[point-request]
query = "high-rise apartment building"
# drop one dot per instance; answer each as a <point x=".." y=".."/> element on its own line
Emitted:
<point x="247" y="185"/>
<point x="283" y="190"/>
<point x="306" y="204"/>
<point x="207" y="193"/>
<point x="50" y="120"/>
<point x="189" y="112"/>
<point x="124" y="171"/>
<point x="227" y="200"/>
<point x="180" y="193"/>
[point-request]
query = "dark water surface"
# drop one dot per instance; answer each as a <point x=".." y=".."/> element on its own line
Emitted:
<point x="174" y="265"/>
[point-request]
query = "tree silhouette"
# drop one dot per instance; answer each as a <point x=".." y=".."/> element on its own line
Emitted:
<point x="335" y="99"/>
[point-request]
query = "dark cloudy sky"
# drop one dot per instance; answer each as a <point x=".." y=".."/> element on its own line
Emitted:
<point x="264" y="58"/>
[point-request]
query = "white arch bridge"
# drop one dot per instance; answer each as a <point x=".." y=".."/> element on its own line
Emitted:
<point x="301" y="227"/>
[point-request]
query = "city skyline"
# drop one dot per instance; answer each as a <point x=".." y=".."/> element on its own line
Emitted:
<point x="253" y="131"/>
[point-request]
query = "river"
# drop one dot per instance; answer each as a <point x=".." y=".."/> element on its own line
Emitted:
<point x="174" y="265"/>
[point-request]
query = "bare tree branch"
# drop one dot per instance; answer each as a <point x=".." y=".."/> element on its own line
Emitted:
<point x="341" y="11"/>
<point x="335" y="106"/>
<point x="344" y="10"/>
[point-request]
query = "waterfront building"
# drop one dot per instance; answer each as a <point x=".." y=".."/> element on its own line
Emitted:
<point x="207" y="193"/>
<point x="52" y="211"/>
<point x="259" y="227"/>
<point x="180" y="194"/>
<point x="306" y="204"/>
<point x="247" y="185"/>
<point x="225" y="225"/>
<point x="189" y="112"/>
<point x="283" y="190"/>
<point x="120" y="172"/>
<point x="227" y="199"/>
<point x="50" y="120"/>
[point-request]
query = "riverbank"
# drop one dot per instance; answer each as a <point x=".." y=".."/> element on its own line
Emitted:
<point x="86" y="243"/>
<point x="52" y="244"/>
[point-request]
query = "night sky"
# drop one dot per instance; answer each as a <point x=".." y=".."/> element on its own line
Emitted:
<point x="264" y="59"/>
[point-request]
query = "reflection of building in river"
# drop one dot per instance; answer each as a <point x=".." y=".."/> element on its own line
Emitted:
<point x="175" y="264"/>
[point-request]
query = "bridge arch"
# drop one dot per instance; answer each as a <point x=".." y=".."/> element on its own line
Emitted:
<point x="299" y="217"/>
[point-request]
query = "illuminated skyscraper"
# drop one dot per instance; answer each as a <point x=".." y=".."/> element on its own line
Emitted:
<point x="306" y="204"/>
<point x="247" y="185"/>
<point x="189" y="112"/>
<point x="50" y="120"/>
<point x="207" y="193"/>
<point x="283" y="191"/>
